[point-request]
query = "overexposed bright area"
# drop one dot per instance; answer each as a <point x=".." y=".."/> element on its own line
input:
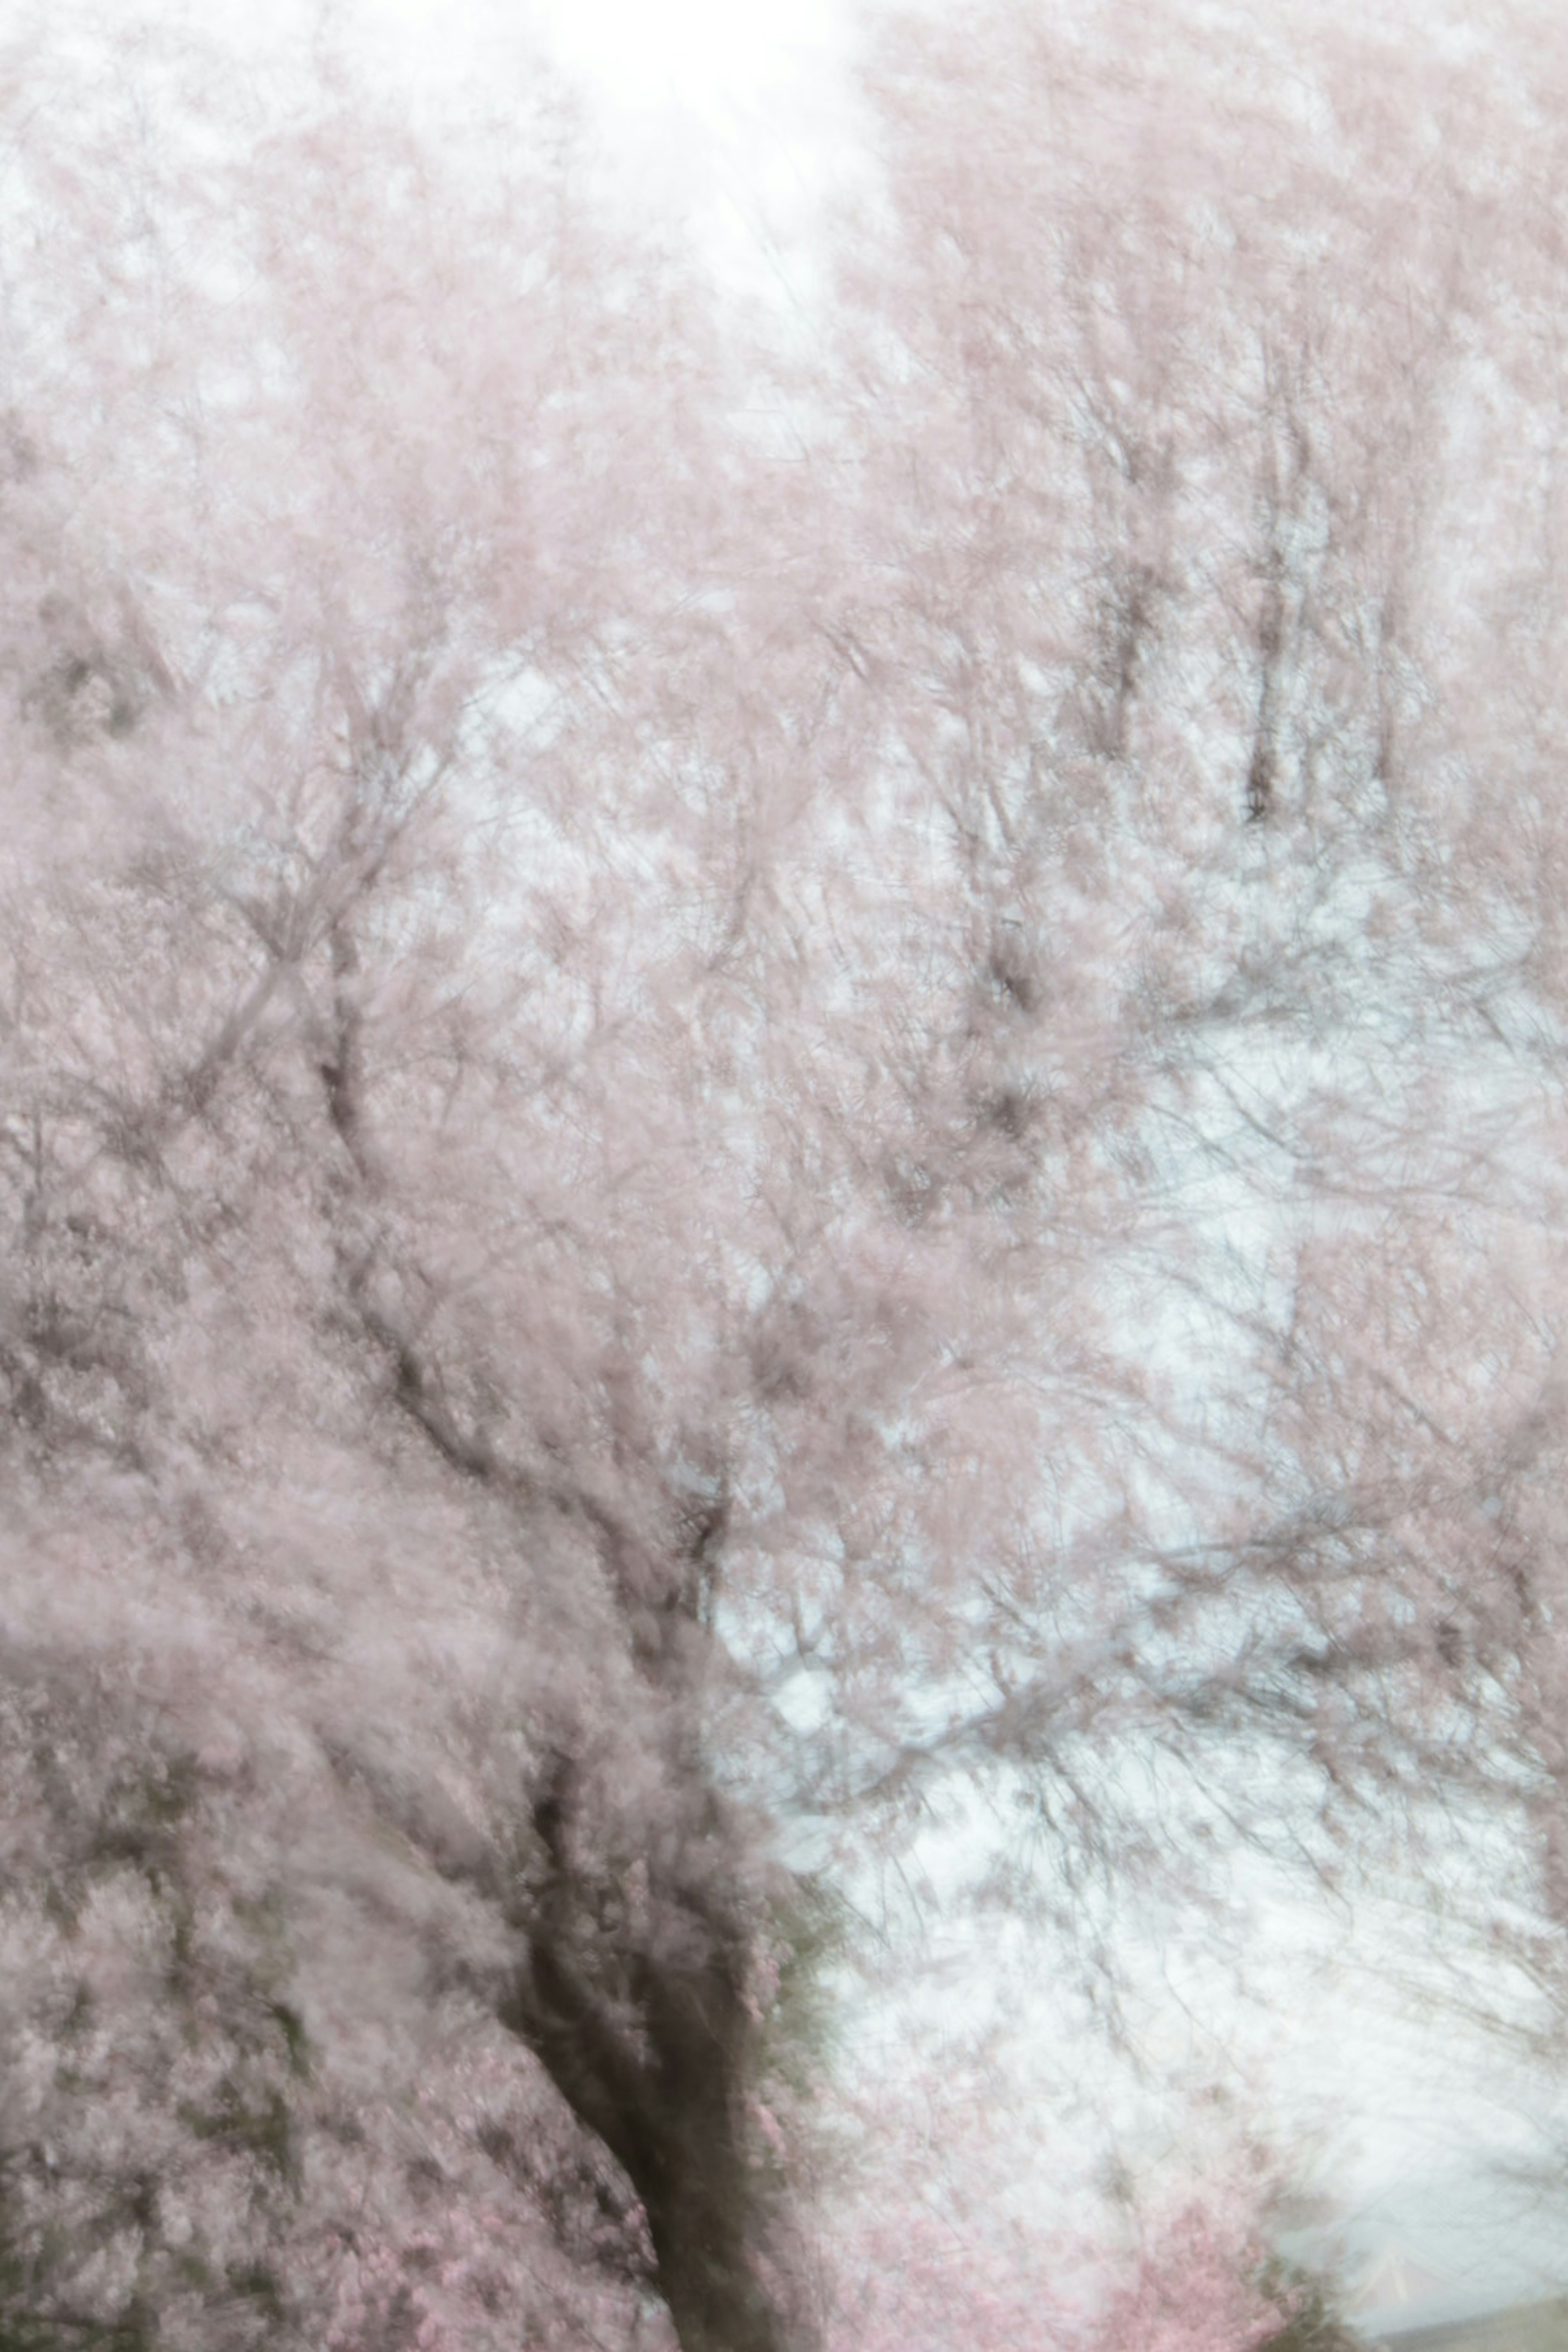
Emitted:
<point x="736" y="120"/>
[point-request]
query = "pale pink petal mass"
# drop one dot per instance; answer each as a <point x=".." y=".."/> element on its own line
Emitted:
<point x="755" y="1079"/>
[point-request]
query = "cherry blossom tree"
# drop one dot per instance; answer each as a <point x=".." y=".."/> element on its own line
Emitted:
<point x="944" y="2227"/>
<point x="337" y="493"/>
<point x="711" y="1121"/>
<point x="1206" y="589"/>
<point x="1207" y="554"/>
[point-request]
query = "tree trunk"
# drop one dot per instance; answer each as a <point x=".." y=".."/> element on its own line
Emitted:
<point x="651" y="2052"/>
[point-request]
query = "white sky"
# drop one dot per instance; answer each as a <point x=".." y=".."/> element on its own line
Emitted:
<point x="730" y="107"/>
<point x="741" y="111"/>
<point x="736" y="115"/>
<point x="714" y="60"/>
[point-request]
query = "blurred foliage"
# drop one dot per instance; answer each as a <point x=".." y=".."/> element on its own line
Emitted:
<point x="1314" y="2325"/>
